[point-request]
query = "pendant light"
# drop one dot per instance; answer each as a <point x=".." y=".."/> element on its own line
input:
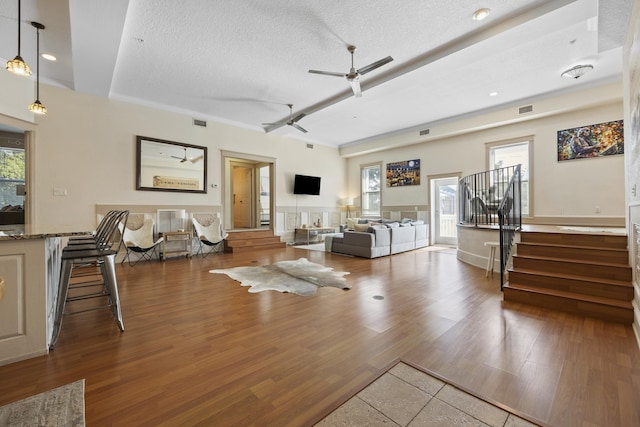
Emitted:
<point x="37" y="107"/>
<point x="17" y="65"/>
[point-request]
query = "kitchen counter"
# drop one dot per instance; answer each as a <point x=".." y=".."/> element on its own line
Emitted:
<point x="30" y="265"/>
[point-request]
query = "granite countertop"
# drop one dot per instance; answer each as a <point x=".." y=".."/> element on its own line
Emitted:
<point x="26" y="232"/>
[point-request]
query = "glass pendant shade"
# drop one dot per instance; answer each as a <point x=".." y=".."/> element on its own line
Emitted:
<point x="18" y="66"/>
<point x="36" y="107"/>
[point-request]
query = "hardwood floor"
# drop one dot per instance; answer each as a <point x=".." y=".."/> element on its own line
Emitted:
<point x="198" y="349"/>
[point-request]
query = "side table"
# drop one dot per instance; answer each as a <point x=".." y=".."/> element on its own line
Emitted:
<point x="176" y="236"/>
<point x="311" y="234"/>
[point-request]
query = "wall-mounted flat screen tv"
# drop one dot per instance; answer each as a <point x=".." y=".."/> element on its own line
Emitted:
<point x="304" y="184"/>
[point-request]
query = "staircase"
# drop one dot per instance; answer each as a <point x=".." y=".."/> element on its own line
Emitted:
<point x="585" y="274"/>
<point x="245" y="241"/>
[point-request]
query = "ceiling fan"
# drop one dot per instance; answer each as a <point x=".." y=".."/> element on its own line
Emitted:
<point x="353" y="76"/>
<point x="186" y="159"/>
<point x="292" y="120"/>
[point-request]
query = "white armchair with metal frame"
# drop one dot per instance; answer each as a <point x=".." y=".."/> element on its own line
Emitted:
<point x="211" y="235"/>
<point x="140" y="241"/>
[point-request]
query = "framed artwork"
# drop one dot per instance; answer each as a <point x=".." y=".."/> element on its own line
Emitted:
<point x="404" y="173"/>
<point x="170" y="166"/>
<point x="602" y="139"/>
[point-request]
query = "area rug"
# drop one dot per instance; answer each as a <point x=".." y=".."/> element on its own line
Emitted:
<point x="299" y="277"/>
<point x="62" y="406"/>
<point x="407" y="396"/>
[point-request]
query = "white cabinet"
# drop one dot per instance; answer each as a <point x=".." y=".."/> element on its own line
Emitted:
<point x="30" y="268"/>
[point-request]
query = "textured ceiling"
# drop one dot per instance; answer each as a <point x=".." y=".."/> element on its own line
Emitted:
<point x="242" y="61"/>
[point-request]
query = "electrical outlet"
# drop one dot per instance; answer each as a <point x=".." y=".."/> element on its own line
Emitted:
<point x="59" y="191"/>
<point x="597" y="209"/>
<point x="633" y="190"/>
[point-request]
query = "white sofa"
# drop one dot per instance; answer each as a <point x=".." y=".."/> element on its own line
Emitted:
<point x="378" y="240"/>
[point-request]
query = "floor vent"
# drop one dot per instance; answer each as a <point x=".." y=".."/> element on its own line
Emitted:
<point x="310" y="146"/>
<point x="525" y="109"/>
<point x="424" y="132"/>
<point x="202" y="123"/>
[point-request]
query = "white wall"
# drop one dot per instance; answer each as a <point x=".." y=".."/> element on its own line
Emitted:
<point x="86" y="145"/>
<point x="632" y="151"/>
<point x="575" y="186"/>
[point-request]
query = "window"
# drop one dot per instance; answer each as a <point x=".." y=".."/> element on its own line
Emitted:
<point x="502" y="155"/>
<point x="11" y="177"/>
<point x="371" y="190"/>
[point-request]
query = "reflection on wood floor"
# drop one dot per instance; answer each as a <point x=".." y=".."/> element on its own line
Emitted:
<point x="199" y="349"/>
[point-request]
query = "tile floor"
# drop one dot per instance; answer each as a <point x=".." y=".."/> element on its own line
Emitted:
<point x="405" y="396"/>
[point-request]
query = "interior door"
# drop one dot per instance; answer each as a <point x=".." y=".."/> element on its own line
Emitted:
<point x="445" y="210"/>
<point x="242" y="177"/>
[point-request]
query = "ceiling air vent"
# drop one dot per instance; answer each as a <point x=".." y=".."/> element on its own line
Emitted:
<point x="310" y="146"/>
<point x="202" y="123"/>
<point x="525" y="109"/>
<point x="424" y="132"/>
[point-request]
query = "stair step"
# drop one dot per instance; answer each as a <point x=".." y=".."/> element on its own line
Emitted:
<point x="606" y="288"/>
<point x="252" y="234"/>
<point x="251" y="240"/>
<point x="585" y="253"/>
<point x="573" y="267"/>
<point x="242" y="249"/>
<point x="254" y="241"/>
<point x="569" y="302"/>
<point x="603" y="240"/>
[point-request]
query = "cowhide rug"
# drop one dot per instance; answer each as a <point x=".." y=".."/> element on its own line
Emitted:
<point x="299" y="277"/>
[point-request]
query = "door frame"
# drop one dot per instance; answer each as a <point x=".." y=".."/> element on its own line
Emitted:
<point x="432" y="202"/>
<point x="229" y="157"/>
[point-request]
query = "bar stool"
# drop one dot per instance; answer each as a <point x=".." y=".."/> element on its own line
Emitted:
<point x="492" y="256"/>
<point x="96" y="255"/>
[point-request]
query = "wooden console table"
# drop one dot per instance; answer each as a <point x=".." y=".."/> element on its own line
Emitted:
<point x="311" y="234"/>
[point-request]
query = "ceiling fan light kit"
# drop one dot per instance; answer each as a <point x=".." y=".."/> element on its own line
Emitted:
<point x="187" y="159"/>
<point x="17" y="65"/>
<point x="353" y="76"/>
<point x="292" y="120"/>
<point x="577" y="71"/>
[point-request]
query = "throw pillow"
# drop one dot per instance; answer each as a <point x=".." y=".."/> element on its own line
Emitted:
<point x="351" y="222"/>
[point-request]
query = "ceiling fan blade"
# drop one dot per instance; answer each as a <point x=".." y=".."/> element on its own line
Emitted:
<point x="373" y="66"/>
<point x="328" y="73"/>
<point x="298" y="117"/>
<point x="300" y="128"/>
<point x="273" y="124"/>
<point x="176" y="157"/>
<point x="355" y="87"/>
<point x="196" y="159"/>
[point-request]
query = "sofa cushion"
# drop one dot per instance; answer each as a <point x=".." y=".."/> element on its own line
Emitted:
<point x="361" y="227"/>
<point x="351" y="222"/>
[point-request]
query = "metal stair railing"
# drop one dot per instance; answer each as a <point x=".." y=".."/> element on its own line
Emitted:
<point x="510" y="220"/>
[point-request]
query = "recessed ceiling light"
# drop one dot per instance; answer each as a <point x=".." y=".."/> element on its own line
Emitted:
<point x="480" y="14"/>
<point x="493" y="94"/>
<point x="48" y="57"/>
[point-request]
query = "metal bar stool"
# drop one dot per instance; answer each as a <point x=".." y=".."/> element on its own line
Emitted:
<point x="98" y="255"/>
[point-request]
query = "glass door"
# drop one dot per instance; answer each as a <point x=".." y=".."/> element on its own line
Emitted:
<point x="444" y="210"/>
